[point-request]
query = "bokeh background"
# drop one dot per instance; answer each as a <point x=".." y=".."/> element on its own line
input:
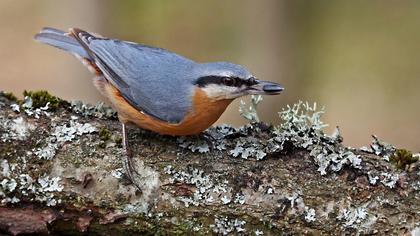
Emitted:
<point x="360" y="59"/>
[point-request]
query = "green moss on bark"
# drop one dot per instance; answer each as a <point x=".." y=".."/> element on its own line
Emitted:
<point x="402" y="157"/>
<point x="41" y="98"/>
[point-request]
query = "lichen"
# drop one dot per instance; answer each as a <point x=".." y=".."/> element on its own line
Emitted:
<point x="47" y="152"/>
<point x="17" y="185"/>
<point x="60" y="134"/>
<point x="24" y="178"/>
<point x="100" y="110"/>
<point x="15" y="107"/>
<point x="225" y="226"/>
<point x="302" y="126"/>
<point x="206" y="191"/>
<point x="26" y="105"/>
<point x="310" y="215"/>
<point x="250" y="112"/>
<point x="68" y="132"/>
<point x="380" y="148"/>
<point x="402" y="157"/>
<point x="258" y="232"/>
<point x="16" y="129"/>
<point x="389" y="179"/>
<point x="194" y="144"/>
<point x="352" y="217"/>
<point x="249" y="147"/>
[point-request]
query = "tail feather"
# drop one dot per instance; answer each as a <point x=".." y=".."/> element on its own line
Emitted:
<point x="61" y="40"/>
<point x="51" y="30"/>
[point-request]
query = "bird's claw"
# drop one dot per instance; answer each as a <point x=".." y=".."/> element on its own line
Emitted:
<point x="130" y="171"/>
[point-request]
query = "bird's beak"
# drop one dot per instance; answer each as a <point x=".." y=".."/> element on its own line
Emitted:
<point x="265" y="88"/>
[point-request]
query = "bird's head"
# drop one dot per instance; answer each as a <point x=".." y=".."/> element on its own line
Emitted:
<point x="222" y="80"/>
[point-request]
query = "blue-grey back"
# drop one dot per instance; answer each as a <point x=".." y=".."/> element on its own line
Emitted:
<point x="159" y="82"/>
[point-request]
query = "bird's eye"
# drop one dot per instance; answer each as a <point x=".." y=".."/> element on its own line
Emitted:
<point x="252" y="81"/>
<point x="228" y="81"/>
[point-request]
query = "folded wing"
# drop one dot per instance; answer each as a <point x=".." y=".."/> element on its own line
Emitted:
<point x="151" y="79"/>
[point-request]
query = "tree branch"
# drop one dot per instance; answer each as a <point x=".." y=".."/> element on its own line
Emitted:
<point x="61" y="172"/>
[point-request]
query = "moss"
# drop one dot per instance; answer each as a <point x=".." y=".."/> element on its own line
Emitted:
<point x="41" y="98"/>
<point x="104" y="134"/>
<point x="10" y="96"/>
<point x="402" y="157"/>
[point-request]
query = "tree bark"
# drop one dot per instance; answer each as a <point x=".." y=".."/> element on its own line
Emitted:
<point x="62" y="174"/>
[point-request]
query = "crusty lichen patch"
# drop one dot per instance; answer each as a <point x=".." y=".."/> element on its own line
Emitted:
<point x="16" y="129"/>
<point x="25" y="158"/>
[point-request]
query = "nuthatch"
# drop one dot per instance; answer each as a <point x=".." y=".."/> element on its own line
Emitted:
<point x="156" y="89"/>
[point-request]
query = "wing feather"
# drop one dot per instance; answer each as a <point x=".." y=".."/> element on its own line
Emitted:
<point x="151" y="79"/>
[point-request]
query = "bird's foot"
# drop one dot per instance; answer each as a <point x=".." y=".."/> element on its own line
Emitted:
<point x="129" y="164"/>
<point x="130" y="171"/>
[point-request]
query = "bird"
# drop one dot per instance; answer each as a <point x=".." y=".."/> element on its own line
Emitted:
<point x="154" y="88"/>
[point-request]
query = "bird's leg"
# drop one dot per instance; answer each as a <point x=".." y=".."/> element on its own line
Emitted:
<point x="127" y="159"/>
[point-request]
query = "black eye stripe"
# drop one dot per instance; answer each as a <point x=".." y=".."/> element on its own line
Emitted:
<point x="203" y="81"/>
<point x="229" y="81"/>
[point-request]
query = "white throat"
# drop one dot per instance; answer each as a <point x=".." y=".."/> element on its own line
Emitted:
<point x="222" y="91"/>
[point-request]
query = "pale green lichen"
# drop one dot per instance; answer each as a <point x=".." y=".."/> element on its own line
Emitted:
<point x="302" y="126"/>
<point x="298" y="207"/>
<point x="99" y="110"/>
<point x="249" y="148"/>
<point x="16" y="185"/>
<point x="61" y="134"/>
<point x="206" y="192"/>
<point x="194" y="144"/>
<point x="28" y="107"/>
<point x="310" y="215"/>
<point x="390" y="179"/>
<point x="352" y="217"/>
<point x="68" y="132"/>
<point x="250" y="112"/>
<point x="380" y="148"/>
<point x="226" y="225"/>
<point x="16" y="129"/>
<point x="46" y="152"/>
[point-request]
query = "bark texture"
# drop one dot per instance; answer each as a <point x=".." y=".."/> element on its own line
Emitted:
<point x="61" y="174"/>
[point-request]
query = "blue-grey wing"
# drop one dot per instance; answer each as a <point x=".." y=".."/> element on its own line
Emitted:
<point x="151" y="79"/>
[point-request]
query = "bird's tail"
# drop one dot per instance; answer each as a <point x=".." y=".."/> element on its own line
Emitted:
<point x="60" y="39"/>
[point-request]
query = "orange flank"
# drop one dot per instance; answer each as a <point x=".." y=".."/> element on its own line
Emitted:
<point x="204" y="113"/>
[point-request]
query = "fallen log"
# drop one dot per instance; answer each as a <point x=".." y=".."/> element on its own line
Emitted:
<point x="61" y="173"/>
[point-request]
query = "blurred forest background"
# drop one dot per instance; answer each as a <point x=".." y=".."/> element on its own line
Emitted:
<point x="361" y="59"/>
